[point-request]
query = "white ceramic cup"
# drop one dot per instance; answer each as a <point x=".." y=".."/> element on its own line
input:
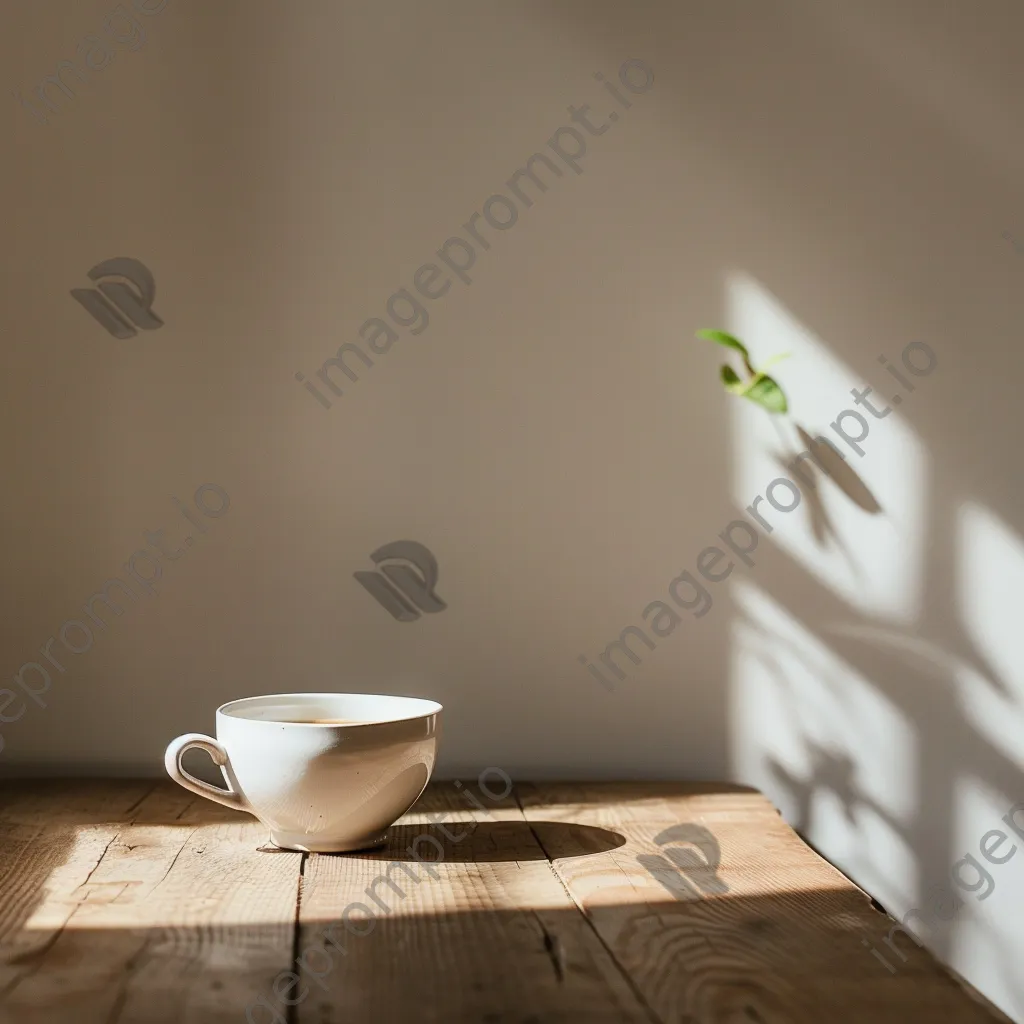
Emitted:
<point x="319" y="788"/>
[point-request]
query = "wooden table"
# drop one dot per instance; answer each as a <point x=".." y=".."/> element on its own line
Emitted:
<point x="135" y="902"/>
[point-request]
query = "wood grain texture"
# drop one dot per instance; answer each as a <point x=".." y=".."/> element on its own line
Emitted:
<point x="494" y="937"/>
<point x="137" y="902"/>
<point x="125" y="902"/>
<point x="772" y="933"/>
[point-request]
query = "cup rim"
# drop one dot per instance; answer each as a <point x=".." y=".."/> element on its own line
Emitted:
<point x="433" y="707"/>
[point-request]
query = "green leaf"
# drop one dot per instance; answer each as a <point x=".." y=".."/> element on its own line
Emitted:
<point x="731" y="380"/>
<point x="776" y="359"/>
<point x="721" y="338"/>
<point x="766" y="393"/>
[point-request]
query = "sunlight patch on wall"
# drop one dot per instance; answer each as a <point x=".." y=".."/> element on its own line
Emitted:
<point x="838" y="758"/>
<point x="990" y="583"/>
<point x="988" y="928"/>
<point x="872" y="560"/>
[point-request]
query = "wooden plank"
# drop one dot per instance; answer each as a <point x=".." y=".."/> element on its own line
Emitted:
<point x="773" y="934"/>
<point x="138" y="903"/>
<point x="52" y="836"/>
<point x="492" y="938"/>
<point x="130" y="902"/>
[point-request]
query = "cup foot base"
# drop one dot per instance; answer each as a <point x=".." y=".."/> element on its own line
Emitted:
<point x="304" y="843"/>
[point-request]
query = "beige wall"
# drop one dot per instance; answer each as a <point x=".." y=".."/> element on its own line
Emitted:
<point x="829" y="178"/>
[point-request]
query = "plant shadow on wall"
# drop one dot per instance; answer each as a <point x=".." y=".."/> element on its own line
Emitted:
<point x="782" y="496"/>
<point x="766" y="392"/>
<point x="882" y="229"/>
<point x="832" y="770"/>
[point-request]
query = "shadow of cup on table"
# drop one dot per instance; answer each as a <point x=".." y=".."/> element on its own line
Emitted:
<point x="493" y="841"/>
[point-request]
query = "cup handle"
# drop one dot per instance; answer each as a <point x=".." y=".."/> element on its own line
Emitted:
<point x="230" y="797"/>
